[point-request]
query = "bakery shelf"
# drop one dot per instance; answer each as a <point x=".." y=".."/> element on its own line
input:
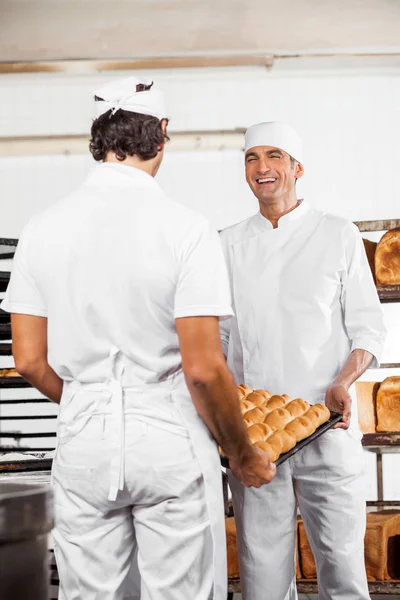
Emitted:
<point x="310" y="586"/>
<point x="376" y="441"/>
<point x="5" y="331"/>
<point x="14" y="382"/>
<point x="388" y="293"/>
<point x="378" y="225"/>
<point x="4" y="279"/>
<point x="5" y="349"/>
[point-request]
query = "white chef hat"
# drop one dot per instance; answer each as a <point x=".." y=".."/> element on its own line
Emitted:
<point x="276" y="134"/>
<point x="122" y="94"/>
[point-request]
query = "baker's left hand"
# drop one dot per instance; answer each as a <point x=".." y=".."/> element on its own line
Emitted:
<point x="338" y="400"/>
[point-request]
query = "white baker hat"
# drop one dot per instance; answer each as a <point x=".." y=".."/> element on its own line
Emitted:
<point x="121" y="94"/>
<point x="276" y="134"/>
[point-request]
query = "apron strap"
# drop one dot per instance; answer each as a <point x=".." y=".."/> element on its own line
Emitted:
<point x="114" y="384"/>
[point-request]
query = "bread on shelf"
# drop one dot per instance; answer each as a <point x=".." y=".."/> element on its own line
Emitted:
<point x="387" y="259"/>
<point x="9" y="373"/>
<point x="388" y="405"/>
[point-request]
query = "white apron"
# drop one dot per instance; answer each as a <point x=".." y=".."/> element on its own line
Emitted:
<point x="73" y="417"/>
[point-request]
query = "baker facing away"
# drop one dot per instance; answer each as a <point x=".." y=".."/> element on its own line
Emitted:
<point x="116" y="294"/>
<point x="308" y="323"/>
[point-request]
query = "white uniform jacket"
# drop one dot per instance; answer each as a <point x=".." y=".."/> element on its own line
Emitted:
<point x="304" y="298"/>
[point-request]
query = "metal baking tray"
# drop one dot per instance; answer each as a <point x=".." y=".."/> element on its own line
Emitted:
<point x="335" y="418"/>
<point x="18" y="466"/>
<point x="4" y="280"/>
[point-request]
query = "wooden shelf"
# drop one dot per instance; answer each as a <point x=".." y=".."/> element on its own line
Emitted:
<point x="372" y="441"/>
<point x="310" y="586"/>
<point x="388" y="293"/>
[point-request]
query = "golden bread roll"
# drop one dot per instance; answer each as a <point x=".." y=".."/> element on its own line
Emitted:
<point x="278" y="418"/>
<point x="297" y="407"/>
<point x="286" y="439"/>
<point x="241" y="394"/>
<point x="388" y="405"/>
<point x="301" y="428"/>
<point x="256" y="398"/>
<point x="287" y="398"/>
<point x="245" y="405"/>
<point x="255" y="415"/>
<point x="275" y="402"/>
<point x="387" y="259"/>
<point x="245" y="388"/>
<point x="274" y="450"/>
<point x="259" y="432"/>
<point x="267" y="395"/>
<point x="321" y="411"/>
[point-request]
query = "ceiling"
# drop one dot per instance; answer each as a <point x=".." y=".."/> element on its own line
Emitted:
<point x="43" y="30"/>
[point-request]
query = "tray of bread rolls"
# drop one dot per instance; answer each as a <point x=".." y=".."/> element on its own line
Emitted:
<point x="280" y="425"/>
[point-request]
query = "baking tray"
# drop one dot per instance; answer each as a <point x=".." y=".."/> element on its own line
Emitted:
<point x="14" y="382"/>
<point x="4" y="279"/>
<point x="18" y="466"/>
<point x="335" y="418"/>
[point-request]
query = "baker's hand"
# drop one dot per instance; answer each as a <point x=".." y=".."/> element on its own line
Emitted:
<point x="338" y="400"/>
<point x="255" y="470"/>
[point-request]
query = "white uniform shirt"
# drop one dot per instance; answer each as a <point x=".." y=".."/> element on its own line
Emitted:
<point x="304" y="298"/>
<point x="113" y="265"/>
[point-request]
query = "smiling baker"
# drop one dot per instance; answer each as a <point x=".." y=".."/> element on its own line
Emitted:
<point x="308" y="323"/>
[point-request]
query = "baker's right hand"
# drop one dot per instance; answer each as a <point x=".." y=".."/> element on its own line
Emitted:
<point x="255" y="469"/>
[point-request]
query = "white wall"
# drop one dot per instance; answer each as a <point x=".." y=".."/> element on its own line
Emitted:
<point x="349" y="120"/>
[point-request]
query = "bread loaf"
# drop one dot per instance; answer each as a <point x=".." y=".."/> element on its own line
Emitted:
<point x="276" y="402"/>
<point x="388" y="405"/>
<point x="232" y="554"/>
<point x="245" y="388"/>
<point x="297" y="407"/>
<point x="259" y="432"/>
<point x="381" y="548"/>
<point x="387" y="259"/>
<point x="273" y="450"/>
<point x="321" y="411"/>
<point x="255" y="415"/>
<point x="256" y="398"/>
<point x="301" y="428"/>
<point x="278" y="418"/>
<point x="245" y="405"/>
<point x="267" y="395"/>
<point x="287" y="440"/>
<point x="366" y="403"/>
<point x="241" y="394"/>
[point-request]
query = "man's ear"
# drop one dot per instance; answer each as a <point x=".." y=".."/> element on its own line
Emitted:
<point x="164" y="123"/>
<point x="299" y="170"/>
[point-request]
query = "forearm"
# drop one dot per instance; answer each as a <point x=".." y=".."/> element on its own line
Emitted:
<point x="43" y="378"/>
<point x="356" y="364"/>
<point x="216" y="401"/>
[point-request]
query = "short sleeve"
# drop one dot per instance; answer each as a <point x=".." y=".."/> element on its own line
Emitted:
<point x="23" y="296"/>
<point x="203" y="285"/>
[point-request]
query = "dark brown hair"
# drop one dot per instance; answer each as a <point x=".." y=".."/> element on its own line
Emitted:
<point x="126" y="133"/>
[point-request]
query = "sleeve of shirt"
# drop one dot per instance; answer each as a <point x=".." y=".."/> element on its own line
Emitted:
<point x="363" y="314"/>
<point x="22" y="295"/>
<point x="203" y="286"/>
<point x="225" y="326"/>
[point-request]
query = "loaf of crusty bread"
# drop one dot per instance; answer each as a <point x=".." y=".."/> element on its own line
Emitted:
<point x="387" y="259"/>
<point x="255" y="415"/>
<point x="245" y="388"/>
<point x="267" y="395"/>
<point x="388" y="405"/>
<point x="287" y="440"/>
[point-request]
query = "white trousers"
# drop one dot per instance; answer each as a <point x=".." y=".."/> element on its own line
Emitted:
<point x="326" y="481"/>
<point x="161" y="515"/>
